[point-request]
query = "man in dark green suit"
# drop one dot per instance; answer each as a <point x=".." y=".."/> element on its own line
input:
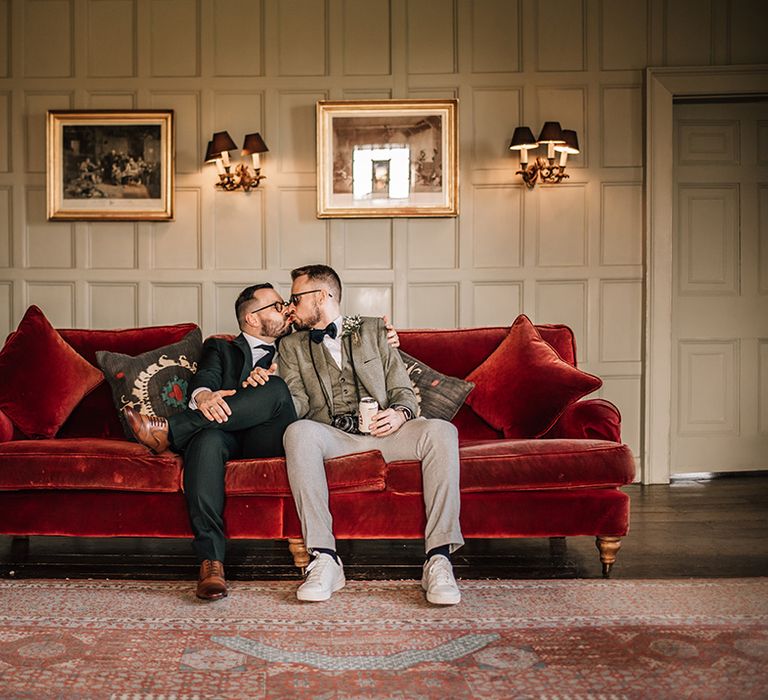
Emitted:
<point x="230" y="416"/>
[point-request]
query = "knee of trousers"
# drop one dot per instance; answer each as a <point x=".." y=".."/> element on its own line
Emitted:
<point x="302" y="432"/>
<point x="439" y="430"/>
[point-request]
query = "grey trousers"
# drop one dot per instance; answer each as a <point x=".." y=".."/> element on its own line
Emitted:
<point x="434" y="442"/>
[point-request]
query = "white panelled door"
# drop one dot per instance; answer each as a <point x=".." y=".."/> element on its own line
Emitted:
<point x="720" y="298"/>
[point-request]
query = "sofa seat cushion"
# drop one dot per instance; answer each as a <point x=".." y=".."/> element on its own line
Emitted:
<point x="365" y="471"/>
<point x="518" y="465"/>
<point x="87" y="463"/>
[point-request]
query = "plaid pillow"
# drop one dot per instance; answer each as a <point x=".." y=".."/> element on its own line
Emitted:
<point x="155" y="383"/>
<point x="439" y="395"/>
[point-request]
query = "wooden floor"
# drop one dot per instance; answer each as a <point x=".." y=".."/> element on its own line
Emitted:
<point x="716" y="528"/>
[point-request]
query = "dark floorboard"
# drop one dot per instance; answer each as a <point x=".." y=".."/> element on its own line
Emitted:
<point x="716" y="528"/>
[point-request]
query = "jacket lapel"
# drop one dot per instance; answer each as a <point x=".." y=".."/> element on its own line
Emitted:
<point x="316" y="352"/>
<point x="242" y="344"/>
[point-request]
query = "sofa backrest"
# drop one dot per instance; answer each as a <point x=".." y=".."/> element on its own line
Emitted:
<point x="457" y="352"/>
<point x="95" y="415"/>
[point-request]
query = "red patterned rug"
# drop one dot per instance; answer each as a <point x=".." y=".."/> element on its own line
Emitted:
<point x="553" y="640"/>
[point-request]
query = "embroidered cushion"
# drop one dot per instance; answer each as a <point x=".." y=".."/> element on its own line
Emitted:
<point x="42" y="378"/>
<point x="524" y="385"/>
<point x="155" y="383"/>
<point x="439" y="395"/>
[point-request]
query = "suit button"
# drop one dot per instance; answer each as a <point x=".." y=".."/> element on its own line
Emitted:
<point x="342" y="380"/>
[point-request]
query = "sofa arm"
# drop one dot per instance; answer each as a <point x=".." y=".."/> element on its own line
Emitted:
<point x="593" y="419"/>
<point x="6" y="428"/>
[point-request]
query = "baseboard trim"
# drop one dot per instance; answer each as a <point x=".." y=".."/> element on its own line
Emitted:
<point x="707" y="476"/>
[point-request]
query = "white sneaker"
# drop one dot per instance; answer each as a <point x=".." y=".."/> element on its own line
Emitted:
<point x="438" y="581"/>
<point x="324" y="577"/>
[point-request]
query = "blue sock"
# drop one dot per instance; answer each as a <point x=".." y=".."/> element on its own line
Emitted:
<point x="445" y="550"/>
<point x="332" y="552"/>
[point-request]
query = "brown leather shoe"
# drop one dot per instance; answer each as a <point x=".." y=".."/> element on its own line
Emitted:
<point x="211" y="584"/>
<point x="150" y="431"/>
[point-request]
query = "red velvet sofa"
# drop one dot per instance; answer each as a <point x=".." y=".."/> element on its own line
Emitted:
<point x="90" y="481"/>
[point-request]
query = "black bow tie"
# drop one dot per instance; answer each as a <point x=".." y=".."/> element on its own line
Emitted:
<point x="317" y="334"/>
<point x="266" y="360"/>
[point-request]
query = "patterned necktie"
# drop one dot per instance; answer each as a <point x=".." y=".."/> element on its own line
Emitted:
<point x="317" y="334"/>
<point x="266" y="360"/>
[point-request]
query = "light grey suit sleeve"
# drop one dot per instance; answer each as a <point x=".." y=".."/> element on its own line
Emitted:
<point x="288" y="367"/>
<point x="398" y="383"/>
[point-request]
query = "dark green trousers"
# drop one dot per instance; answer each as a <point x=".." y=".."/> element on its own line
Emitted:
<point x="259" y="418"/>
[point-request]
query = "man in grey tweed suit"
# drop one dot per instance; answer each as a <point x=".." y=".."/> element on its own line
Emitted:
<point x="328" y="364"/>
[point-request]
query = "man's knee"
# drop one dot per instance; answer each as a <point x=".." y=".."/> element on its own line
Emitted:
<point x="300" y="432"/>
<point x="438" y="430"/>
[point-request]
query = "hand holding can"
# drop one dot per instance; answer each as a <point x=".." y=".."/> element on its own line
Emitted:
<point x="367" y="409"/>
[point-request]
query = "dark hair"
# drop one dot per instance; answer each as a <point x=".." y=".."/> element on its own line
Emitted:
<point x="244" y="297"/>
<point x="321" y="273"/>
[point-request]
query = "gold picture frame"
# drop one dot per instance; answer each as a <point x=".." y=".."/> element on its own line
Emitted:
<point x="110" y="165"/>
<point x="387" y="158"/>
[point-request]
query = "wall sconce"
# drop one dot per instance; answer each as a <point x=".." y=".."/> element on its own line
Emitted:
<point x="564" y="141"/>
<point x="242" y="177"/>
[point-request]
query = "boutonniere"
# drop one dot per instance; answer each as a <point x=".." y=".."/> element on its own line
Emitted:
<point x="351" y="325"/>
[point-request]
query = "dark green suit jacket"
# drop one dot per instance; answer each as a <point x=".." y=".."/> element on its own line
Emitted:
<point x="224" y="365"/>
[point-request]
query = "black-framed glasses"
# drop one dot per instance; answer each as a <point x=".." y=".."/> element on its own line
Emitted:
<point x="279" y="306"/>
<point x="296" y="298"/>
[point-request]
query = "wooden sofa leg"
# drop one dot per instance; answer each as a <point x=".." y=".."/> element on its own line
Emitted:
<point x="608" y="547"/>
<point x="299" y="552"/>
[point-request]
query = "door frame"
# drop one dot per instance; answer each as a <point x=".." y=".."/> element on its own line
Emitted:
<point x="662" y="86"/>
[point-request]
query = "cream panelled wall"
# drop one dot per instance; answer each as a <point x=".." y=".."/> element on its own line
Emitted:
<point x="570" y="253"/>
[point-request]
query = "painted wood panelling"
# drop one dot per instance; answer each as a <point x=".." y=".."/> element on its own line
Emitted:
<point x="57" y="299"/>
<point x="186" y="107"/>
<point x="621" y="231"/>
<point x="174" y="301"/>
<point x="623" y="35"/>
<point x="111" y="40"/>
<point x="492" y="135"/>
<point x="5" y="132"/>
<point x="367" y="244"/>
<point x="762" y="399"/>
<point x="368" y="300"/>
<point x="111" y="100"/>
<point x="708" y="142"/>
<point x="48" y="39"/>
<point x="496" y="36"/>
<point x="6" y="226"/>
<point x="432" y="244"/>
<point x="176" y="244"/>
<point x="302" y="236"/>
<point x="238" y="38"/>
<point x="496" y="303"/>
<point x="688" y="32"/>
<point x="620" y="308"/>
<point x="567" y="106"/>
<point x="566" y="301"/>
<point x="238" y="113"/>
<point x="296" y="152"/>
<point x="225" y="296"/>
<point x="239" y="231"/>
<point x="113" y="305"/>
<point x="36" y="105"/>
<point x="562" y="233"/>
<point x="560" y="35"/>
<point x="174" y="33"/>
<point x="48" y="245"/>
<point x="6" y="309"/>
<point x="762" y="228"/>
<point x="747" y="31"/>
<point x="366" y="27"/>
<point x="5" y="38"/>
<point x="112" y="245"/>
<point x="431" y="36"/>
<point x="433" y="305"/>
<point x="622" y="127"/>
<point x="498" y="226"/>
<point x="301" y="33"/>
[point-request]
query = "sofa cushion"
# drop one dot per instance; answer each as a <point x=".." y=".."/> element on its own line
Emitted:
<point x="364" y="471"/>
<point x="42" y="377"/>
<point x="86" y="463"/>
<point x="524" y="386"/>
<point x="439" y="395"/>
<point x="156" y="382"/>
<point x="95" y="415"/>
<point x="517" y="465"/>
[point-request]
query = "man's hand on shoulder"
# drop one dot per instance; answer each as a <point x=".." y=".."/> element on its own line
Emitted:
<point x="213" y="406"/>
<point x="392" y="337"/>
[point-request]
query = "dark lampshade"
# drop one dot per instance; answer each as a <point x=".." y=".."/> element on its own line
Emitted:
<point x="571" y="145"/>
<point x="522" y="138"/>
<point x="254" y="144"/>
<point x="210" y="156"/>
<point x="222" y="141"/>
<point x="551" y="133"/>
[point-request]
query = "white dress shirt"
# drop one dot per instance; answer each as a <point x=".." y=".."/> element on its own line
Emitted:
<point x="334" y="344"/>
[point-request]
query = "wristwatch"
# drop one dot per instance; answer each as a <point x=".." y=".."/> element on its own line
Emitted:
<point x="406" y="411"/>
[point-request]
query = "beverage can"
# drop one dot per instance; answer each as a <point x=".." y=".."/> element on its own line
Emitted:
<point x="367" y="408"/>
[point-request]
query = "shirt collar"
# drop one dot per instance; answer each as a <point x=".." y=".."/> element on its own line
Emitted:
<point x="253" y="341"/>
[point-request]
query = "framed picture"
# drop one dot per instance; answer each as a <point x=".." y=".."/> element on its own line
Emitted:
<point x="108" y="165"/>
<point x="381" y="158"/>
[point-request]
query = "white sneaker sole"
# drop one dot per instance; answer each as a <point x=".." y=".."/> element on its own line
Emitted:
<point x="320" y="596"/>
<point x="444" y="598"/>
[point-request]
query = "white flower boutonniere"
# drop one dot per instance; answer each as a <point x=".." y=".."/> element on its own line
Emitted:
<point x="351" y="325"/>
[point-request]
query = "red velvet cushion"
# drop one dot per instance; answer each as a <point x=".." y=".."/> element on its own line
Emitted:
<point x="42" y="378"/>
<point x="363" y="471"/>
<point x="524" y="465"/>
<point x="524" y="386"/>
<point x="86" y="463"/>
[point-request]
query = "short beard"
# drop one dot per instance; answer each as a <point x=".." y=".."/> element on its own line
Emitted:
<point x="311" y="322"/>
<point x="273" y="329"/>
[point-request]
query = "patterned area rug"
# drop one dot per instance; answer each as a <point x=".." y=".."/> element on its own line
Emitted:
<point x="554" y="640"/>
